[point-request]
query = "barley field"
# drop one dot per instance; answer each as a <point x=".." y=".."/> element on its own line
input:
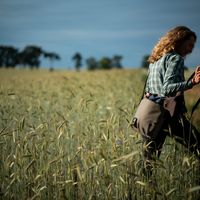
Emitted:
<point x="67" y="135"/>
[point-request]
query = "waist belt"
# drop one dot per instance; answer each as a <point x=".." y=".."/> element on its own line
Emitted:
<point x="155" y="98"/>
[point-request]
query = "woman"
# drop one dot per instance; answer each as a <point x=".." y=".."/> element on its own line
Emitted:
<point x="166" y="79"/>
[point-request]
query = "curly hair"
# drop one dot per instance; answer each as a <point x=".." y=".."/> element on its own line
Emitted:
<point x="170" y="42"/>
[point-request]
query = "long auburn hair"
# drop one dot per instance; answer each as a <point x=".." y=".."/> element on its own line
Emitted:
<point x="170" y="42"/>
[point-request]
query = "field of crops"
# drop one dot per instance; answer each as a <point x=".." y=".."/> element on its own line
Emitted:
<point x="66" y="135"/>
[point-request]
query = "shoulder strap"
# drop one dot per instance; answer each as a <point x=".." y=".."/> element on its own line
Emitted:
<point x="142" y="96"/>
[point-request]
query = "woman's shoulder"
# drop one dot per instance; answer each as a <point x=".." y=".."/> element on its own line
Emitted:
<point x="173" y="57"/>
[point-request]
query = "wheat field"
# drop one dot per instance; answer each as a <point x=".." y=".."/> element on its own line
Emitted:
<point x="67" y="135"/>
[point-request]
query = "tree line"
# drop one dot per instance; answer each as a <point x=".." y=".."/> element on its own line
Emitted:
<point x="92" y="63"/>
<point x="10" y="56"/>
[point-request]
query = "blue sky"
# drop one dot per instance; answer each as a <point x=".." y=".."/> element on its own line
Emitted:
<point x="96" y="28"/>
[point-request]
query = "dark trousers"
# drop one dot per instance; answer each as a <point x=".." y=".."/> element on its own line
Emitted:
<point x="177" y="127"/>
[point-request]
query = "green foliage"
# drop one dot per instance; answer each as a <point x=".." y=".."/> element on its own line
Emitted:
<point x="92" y="63"/>
<point x="8" y="56"/>
<point x="104" y="63"/>
<point x="66" y="135"/>
<point x="77" y="57"/>
<point x="30" y="56"/>
<point x="52" y="56"/>
<point x="116" y="61"/>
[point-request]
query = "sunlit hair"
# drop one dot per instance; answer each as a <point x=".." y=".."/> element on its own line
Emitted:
<point x="170" y="42"/>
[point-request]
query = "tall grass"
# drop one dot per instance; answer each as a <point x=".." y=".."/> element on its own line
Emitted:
<point x="66" y="135"/>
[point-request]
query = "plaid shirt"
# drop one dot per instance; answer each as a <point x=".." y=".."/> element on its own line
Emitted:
<point x="166" y="76"/>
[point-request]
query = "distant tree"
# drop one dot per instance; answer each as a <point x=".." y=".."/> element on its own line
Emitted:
<point x="11" y="57"/>
<point x="92" y="64"/>
<point x="105" y="63"/>
<point x="78" y="59"/>
<point x="21" y="59"/>
<point x="145" y="63"/>
<point x="1" y="57"/>
<point x="30" y="56"/>
<point x="116" y="61"/>
<point x="52" y="57"/>
<point x="8" y="56"/>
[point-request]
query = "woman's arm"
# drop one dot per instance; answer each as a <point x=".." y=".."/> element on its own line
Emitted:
<point x="174" y="76"/>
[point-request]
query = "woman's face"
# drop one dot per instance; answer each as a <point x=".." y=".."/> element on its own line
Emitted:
<point x="187" y="46"/>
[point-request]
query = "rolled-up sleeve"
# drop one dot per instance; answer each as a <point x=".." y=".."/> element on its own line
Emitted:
<point x="174" y="76"/>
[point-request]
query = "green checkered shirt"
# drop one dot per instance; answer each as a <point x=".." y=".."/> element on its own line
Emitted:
<point x="166" y="76"/>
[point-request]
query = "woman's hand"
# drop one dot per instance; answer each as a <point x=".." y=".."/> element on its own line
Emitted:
<point x="196" y="78"/>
